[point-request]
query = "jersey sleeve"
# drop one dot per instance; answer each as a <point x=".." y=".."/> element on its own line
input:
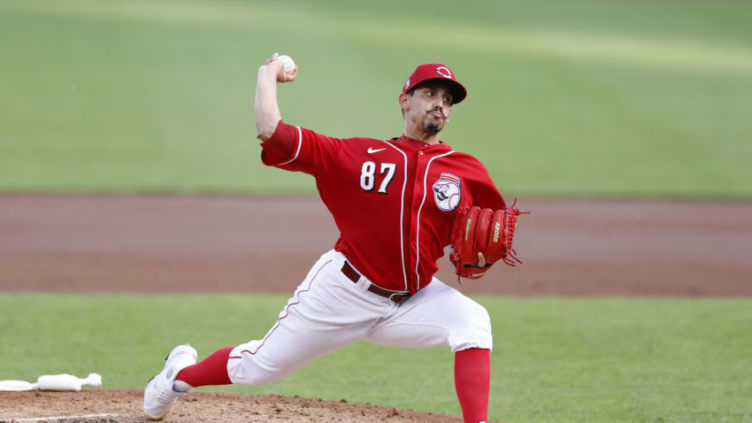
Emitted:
<point x="483" y="190"/>
<point x="299" y="149"/>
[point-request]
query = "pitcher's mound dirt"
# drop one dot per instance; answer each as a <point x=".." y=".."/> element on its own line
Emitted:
<point x="120" y="406"/>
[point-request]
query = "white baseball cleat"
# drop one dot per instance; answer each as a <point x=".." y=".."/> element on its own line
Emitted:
<point x="159" y="394"/>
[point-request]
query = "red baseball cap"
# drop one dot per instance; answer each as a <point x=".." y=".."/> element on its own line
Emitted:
<point x="430" y="71"/>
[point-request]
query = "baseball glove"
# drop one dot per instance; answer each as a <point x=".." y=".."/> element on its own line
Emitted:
<point x="485" y="231"/>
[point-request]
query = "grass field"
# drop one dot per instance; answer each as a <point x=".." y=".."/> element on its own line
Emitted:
<point x="555" y="360"/>
<point x="566" y="97"/>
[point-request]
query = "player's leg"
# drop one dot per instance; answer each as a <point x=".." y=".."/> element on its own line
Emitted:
<point x="441" y="315"/>
<point x="210" y="371"/>
<point x="301" y="334"/>
<point x="472" y="381"/>
<point x="327" y="312"/>
<point x="437" y="315"/>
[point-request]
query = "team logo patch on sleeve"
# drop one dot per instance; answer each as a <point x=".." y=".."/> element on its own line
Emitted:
<point x="446" y="192"/>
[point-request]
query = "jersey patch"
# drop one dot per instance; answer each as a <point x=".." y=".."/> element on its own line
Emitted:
<point x="446" y="192"/>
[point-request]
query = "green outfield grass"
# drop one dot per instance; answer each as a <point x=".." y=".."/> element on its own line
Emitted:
<point x="565" y="97"/>
<point x="555" y="360"/>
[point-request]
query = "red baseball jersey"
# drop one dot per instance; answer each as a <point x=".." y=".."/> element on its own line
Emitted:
<point x="393" y="200"/>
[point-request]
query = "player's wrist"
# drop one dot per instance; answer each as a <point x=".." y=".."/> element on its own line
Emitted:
<point x="269" y="72"/>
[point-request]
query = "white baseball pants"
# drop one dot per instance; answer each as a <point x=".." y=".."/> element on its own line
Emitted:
<point x="328" y="311"/>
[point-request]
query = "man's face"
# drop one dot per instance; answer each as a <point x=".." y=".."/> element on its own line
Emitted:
<point x="429" y="106"/>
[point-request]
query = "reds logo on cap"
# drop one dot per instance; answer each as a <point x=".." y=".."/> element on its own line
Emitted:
<point x="444" y="71"/>
<point x="437" y="71"/>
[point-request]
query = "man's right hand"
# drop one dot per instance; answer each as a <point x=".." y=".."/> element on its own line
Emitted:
<point x="273" y="66"/>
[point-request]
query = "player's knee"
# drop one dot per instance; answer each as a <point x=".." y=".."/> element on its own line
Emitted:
<point x="245" y="372"/>
<point x="474" y="331"/>
<point x="258" y="379"/>
<point x="245" y="368"/>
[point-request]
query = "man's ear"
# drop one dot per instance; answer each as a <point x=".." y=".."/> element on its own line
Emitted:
<point x="404" y="102"/>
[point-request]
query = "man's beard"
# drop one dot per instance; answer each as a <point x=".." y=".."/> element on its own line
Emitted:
<point x="433" y="127"/>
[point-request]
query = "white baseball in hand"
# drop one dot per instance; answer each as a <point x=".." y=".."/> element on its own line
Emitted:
<point x="288" y="65"/>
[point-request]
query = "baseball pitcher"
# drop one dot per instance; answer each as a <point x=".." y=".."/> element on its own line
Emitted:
<point x="397" y="204"/>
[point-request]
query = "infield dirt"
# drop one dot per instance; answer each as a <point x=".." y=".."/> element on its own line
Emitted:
<point x="107" y="243"/>
<point x="264" y="244"/>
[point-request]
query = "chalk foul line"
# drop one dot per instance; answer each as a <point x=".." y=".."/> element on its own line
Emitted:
<point x="53" y="418"/>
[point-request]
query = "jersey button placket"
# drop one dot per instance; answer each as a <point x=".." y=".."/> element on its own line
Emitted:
<point x="419" y="190"/>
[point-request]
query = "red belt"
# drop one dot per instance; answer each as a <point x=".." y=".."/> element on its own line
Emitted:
<point x="396" y="296"/>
